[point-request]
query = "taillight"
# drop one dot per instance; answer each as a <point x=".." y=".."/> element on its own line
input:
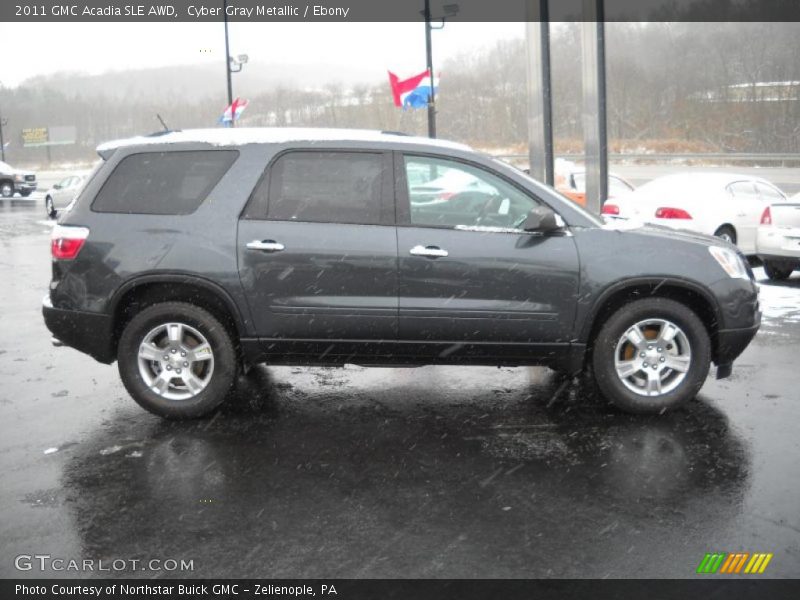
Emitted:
<point x="66" y="241"/>
<point x="446" y="195"/>
<point x="766" y="217"/>
<point x="609" y="209"/>
<point x="668" y="212"/>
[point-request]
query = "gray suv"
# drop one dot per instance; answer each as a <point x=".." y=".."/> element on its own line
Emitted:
<point x="190" y="256"/>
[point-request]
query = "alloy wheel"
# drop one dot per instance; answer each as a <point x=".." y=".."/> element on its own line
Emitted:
<point x="176" y="361"/>
<point x="652" y="357"/>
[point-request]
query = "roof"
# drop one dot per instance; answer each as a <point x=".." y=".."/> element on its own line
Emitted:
<point x="705" y="177"/>
<point x="702" y="180"/>
<point x="273" y="135"/>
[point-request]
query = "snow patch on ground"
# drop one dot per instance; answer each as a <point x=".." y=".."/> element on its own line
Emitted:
<point x="780" y="301"/>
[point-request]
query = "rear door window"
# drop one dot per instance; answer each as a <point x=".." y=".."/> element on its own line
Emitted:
<point x="744" y="190"/>
<point x="326" y="187"/>
<point x="163" y="183"/>
<point x="770" y="194"/>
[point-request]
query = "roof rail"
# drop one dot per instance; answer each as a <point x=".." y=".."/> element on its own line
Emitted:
<point x="403" y="133"/>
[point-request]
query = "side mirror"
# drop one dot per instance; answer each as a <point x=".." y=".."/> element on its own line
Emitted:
<point x="57" y="186"/>
<point x="541" y="219"/>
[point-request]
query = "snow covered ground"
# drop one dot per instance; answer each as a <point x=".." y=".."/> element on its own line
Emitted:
<point x="780" y="300"/>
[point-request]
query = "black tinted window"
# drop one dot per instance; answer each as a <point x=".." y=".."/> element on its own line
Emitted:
<point x="341" y="187"/>
<point x="163" y="183"/>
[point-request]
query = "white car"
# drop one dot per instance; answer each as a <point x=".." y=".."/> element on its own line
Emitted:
<point x="61" y="194"/>
<point x="447" y="185"/>
<point x="778" y="238"/>
<point x="726" y="205"/>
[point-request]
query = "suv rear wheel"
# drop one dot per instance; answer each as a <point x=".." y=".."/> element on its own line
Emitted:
<point x="652" y="355"/>
<point x="176" y="360"/>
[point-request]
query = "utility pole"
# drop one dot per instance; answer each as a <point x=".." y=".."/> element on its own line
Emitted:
<point x="429" y="58"/>
<point x="3" y="123"/>
<point x="594" y="104"/>
<point x="228" y="59"/>
<point x="540" y="106"/>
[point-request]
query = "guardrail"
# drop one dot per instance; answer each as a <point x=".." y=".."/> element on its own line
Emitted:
<point x="719" y="157"/>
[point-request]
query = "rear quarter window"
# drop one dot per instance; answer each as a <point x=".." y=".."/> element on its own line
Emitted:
<point x="163" y="183"/>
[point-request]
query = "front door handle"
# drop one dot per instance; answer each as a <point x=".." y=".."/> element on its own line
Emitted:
<point x="428" y="251"/>
<point x="266" y="245"/>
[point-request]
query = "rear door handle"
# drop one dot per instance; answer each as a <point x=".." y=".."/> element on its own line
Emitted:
<point x="266" y="245"/>
<point x="428" y="251"/>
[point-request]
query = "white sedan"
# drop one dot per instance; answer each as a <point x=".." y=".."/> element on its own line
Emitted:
<point x="726" y="205"/>
<point x="778" y="239"/>
<point x="61" y="194"/>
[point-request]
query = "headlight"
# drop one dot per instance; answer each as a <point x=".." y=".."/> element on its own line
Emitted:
<point x="19" y="178"/>
<point x="730" y="261"/>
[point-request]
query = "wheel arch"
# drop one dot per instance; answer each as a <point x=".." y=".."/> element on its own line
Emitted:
<point x="148" y="290"/>
<point x="730" y="226"/>
<point x="686" y="292"/>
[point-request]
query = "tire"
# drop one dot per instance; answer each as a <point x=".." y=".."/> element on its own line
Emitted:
<point x="777" y="271"/>
<point x="727" y="233"/>
<point x="49" y="208"/>
<point x="212" y="373"/>
<point x="688" y="350"/>
<point x="6" y="189"/>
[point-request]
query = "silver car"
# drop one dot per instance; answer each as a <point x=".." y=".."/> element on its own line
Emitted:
<point x="778" y="239"/>
<point x="61" y="194"/>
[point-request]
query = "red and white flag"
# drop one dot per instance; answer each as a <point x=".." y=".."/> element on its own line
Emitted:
<point x="413" y="92"/>
<point x="234" y="111"/>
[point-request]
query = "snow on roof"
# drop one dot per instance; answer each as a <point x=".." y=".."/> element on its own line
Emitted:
<point x="273" y="135"/>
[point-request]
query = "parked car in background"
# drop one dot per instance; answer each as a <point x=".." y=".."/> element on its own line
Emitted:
<point x="726" y="205"/>
<point x="192" y="255"/>
<point x="570" y="180"/>
<point x="61" y="194"/>
<point x="16" y="180"/>
<point x="778" y="238"/>
<point x="572" y="183"/>
<point x="446" y="185"/>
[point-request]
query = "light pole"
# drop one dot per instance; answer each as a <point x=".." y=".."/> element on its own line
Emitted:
<point x="3" y="123"/>
<point x="450" y="10"/>
<point x="232" y="65"/>
<point x="227" y="55"/>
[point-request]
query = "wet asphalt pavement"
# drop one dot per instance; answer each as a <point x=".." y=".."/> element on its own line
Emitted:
<point x="354" y="472"/>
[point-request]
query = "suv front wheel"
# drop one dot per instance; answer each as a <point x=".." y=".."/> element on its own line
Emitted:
<point x="176" y="360"/>
<point x="652" y="355"/>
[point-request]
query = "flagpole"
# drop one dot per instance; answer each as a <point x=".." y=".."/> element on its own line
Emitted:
<point x="429" y="57"/>
<point x="228" y="59"/>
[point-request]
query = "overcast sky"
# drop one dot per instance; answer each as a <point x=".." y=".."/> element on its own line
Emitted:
<point x="46" y="48"/>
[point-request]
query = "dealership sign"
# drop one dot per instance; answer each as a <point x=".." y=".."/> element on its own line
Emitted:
<point x="49" y="136"/>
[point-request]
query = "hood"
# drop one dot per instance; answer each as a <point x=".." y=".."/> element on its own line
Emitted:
<point x="633" y="226"/>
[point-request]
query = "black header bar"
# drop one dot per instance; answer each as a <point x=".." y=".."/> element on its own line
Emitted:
<point x="337" y="11"/>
